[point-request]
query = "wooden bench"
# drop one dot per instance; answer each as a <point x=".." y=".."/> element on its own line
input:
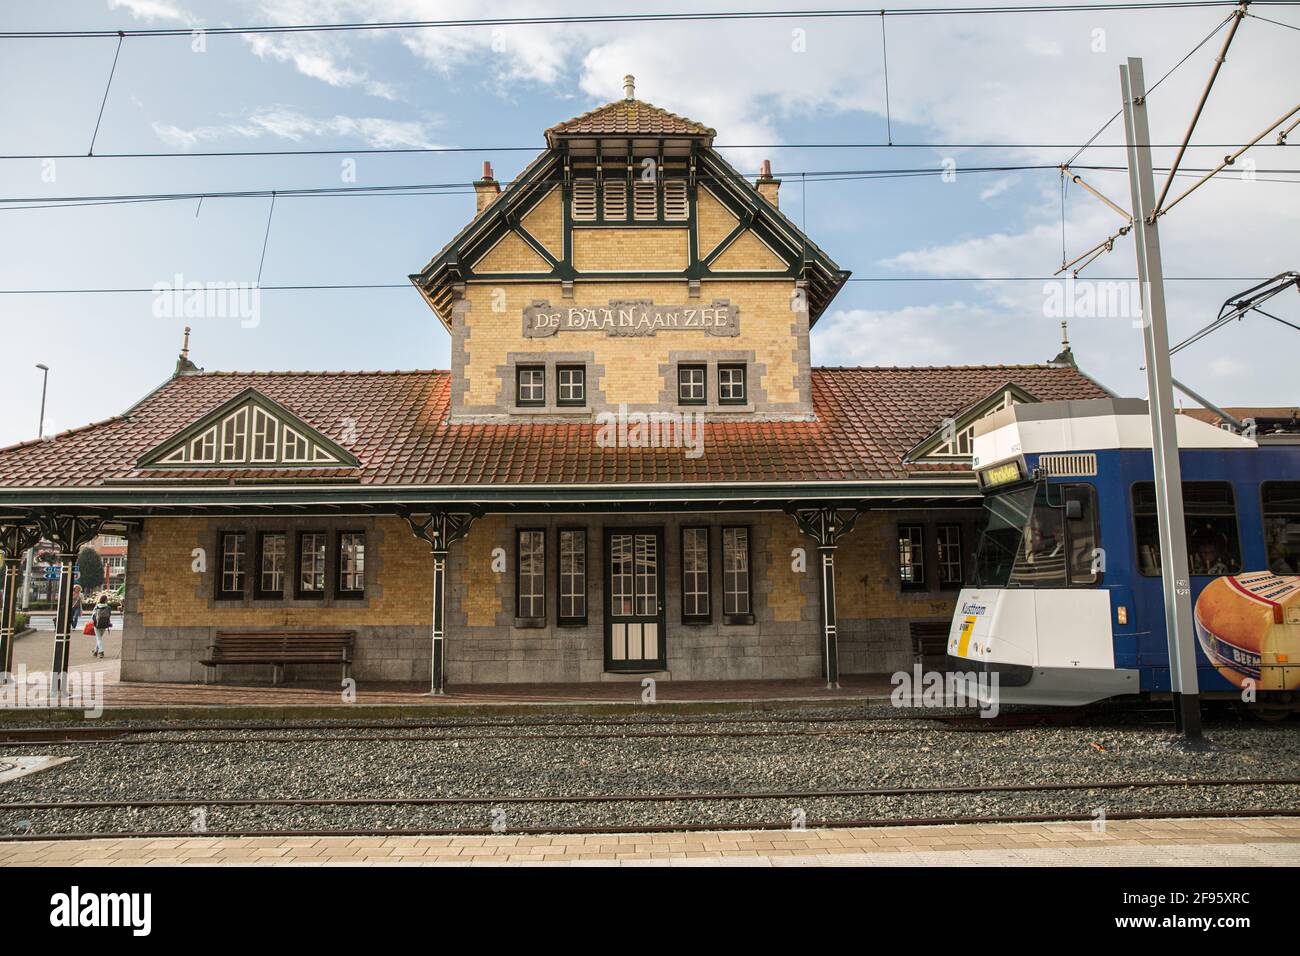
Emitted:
<point x="929" y="639"/>
<point x="279" y="648"/>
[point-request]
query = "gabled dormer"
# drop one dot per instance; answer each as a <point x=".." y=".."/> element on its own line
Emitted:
<point x="248" y="432"/>
<point x="952" y="442"/>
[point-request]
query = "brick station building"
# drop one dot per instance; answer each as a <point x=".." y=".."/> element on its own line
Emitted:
<point x="630" y="468"/>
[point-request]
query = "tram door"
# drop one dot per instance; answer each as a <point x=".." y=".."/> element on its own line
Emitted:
<point x="634" y="592"/>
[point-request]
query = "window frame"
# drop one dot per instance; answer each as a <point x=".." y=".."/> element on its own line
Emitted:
<point x="1264" y="516"/>
<point x="1137" y="542"/>
<point x="310" y="594"/>
<point x="258" y="591"/>
<point x="743" y="368"/>
<point x="560" y="400"/>
<point x="219" y="591"/>
<point x="704" y="382"/>
<point x="748" y="616"/>
<point x="520" y="401"/>
<point x="939" y="529"/>
<point x="521" y="620"/>
<point x="348" y="594"/>
<point x="919" y="557"/>
<point x="561" y="619"/>
<point x="689" y="617"/>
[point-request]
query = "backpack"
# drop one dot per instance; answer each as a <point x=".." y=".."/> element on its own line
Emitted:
<point x="103" y="616"/>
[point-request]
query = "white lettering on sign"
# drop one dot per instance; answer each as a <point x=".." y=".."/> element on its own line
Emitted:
<point x="638" y="317"/>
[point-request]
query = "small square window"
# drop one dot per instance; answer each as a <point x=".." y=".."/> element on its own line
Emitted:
<point x="731" y="385"/>
<point x="272" y="561"/>
<point x="530" y="385"/>
<point x="234" y="566"/>
<point x="312" y="547"/>
<point x="692" y="385"/>
<point x="571" y="385"/>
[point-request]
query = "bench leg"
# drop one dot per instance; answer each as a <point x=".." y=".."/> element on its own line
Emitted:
<point x="347" y="671"/>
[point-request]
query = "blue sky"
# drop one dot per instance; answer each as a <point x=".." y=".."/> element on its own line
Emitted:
<point x="1030" y="79"/>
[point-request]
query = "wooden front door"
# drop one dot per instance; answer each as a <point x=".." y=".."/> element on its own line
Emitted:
<point x="634" y="599"/>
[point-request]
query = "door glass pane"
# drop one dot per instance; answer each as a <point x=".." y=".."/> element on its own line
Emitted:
<point x="620" y="575"/>
<point x="647" y="575"/>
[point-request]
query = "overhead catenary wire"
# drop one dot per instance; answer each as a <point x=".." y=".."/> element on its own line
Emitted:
<point x="103" y="102"/>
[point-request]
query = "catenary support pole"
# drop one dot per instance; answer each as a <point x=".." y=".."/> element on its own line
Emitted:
<point x="1164" y="436"/>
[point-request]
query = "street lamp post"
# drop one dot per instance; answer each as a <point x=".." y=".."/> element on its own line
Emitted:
<point x="40" y="433"/>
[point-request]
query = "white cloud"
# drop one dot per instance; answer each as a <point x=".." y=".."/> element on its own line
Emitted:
<point x="284" y="123"/>
<point x="315" y="55"/>
<point x="151" y="10"/>
<point x="998" y="187"/>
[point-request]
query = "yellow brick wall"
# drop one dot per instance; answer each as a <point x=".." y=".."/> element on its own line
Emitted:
<point x="481" y="600"/>
<point x="748" y="253"/>
<point x="511" y="254"/>
<point x="545" y="222"/>
<point x="713" y="221"/>
<point x="632" y="364"/>
<point x="630" y="250"/>
<point x="170" y="590"/>
<point x="866" y="575"/>
<point x="787" y="598"/>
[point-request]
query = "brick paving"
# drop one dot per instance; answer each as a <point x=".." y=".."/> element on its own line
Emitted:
<point x="1264" y="841"/>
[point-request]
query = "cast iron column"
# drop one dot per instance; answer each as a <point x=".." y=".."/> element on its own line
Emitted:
<point x="15" y="539"/>
<point x="70" y="533"/>
<point x="440" y="529"/>
<point x="826" y="526"/>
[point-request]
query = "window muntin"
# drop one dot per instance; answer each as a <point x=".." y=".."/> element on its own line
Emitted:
<point x="272" y="560"/>
<point x="620" y="575"/>
<point x="1210" y="516"/>
<point x="695" y="575"/>
<point x="911" y="556"/>
<point x="572" y="570"/>
<point x="530" y="577"/>
<point x="266" y="432"/>
<point x="736" y="594"/>
<point x="731" y="385"/>
<point x="204" y="447"/>
<point x="1281" y="501"/>
<point x="312" y="550"/>
<point x="530" y="385"/>
<point x="692" y="384"/>
<point x="646" y="558"/>
<point x="948" y="538"/>
<point x="296" y="446"/>
<point x="234" y="565"/>
<point x="234" y="436"/>
<point x="571" y="385"/>
<point x="351" y="564"/>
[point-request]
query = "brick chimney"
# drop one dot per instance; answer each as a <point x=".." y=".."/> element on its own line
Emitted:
<point x="767" y="186"/>
<point x="486" y="189"/>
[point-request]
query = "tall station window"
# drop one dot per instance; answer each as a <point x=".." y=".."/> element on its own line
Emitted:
<point x="530" y="385"/>
<point x="571" y="385"/>
<point x="692" y="382"/>
<point x="234" y="565"/>
<point x="695" y="575"/>
<point x="911" y="557"/>
<point x="736" y="585"/>
<point x="530" y="576"/>
<point x="948" y="537"/>
<point x="572" y="567"/>
<point x="351" y="564"/>
<point x="1210" y="513"/>
<point x="272" y="556"/>
<point x="311" y="564"/>
<point x="731" y="385"/>
<point x="1281" y="501"/>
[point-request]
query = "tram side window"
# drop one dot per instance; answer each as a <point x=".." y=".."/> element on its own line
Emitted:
<point x="1210" y="513"/>
<point x="1282" y="525"/>
<point x="1084" y="566"/>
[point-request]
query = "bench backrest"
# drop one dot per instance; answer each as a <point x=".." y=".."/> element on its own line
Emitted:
<point x="285" y="645"/>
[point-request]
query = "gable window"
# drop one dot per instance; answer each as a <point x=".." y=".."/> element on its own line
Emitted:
<point x="530" y="385"/>
<point x="571" y="385"/>
<point x="265" y="436"/>
<point x="295" y="445"/>
<point x="911" y="557"/>
<point x="311" y="564"/>
<point x="695" y="576"/>
<point x="351" y="564"/>
<point x="234" y="565"/>
<point x="203" y="448"/>
<point x="272" y="548"/>
<point x="530" y="577"/>
<point x="950" y="558"/>
<point x="234" y="435"/>
<point x="691" y="384"/>
<point x="735" y="576"/>
<point x="731" y="385"/>
<point x="573" y="577"/>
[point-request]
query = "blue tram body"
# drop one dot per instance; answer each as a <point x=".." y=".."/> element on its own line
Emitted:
<point x="1067" y="605"/>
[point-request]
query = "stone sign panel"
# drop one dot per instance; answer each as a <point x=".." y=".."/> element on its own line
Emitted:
<point x="632" y="317"/>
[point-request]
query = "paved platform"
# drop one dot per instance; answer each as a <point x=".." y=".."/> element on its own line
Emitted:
<point x="1262" y="841"/>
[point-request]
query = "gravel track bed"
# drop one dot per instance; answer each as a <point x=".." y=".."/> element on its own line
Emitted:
<point x="526" y="765"/>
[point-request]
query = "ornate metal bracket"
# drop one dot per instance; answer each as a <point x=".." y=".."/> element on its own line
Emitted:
<point x="69" y="531"/>
<point x="15" y="539"/>
<point x="440" y="529"/>
<point x="825" y="525"/>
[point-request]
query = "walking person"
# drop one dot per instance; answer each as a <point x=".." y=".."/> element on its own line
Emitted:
<point x="76" y="606"/>
<point x="102" y="618"/>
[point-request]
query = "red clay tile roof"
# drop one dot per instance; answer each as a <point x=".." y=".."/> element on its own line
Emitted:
<point x="867" y="419"/>
<point x="631" y="117"/>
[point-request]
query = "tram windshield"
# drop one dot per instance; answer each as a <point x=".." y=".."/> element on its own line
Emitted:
<point x="1039" y="536"/>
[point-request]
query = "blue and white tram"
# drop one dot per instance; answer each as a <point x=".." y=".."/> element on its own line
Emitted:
<point x="1067" y="605"/>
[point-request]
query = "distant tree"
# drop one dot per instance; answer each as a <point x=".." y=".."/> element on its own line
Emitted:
<point x="90" y="570"/>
